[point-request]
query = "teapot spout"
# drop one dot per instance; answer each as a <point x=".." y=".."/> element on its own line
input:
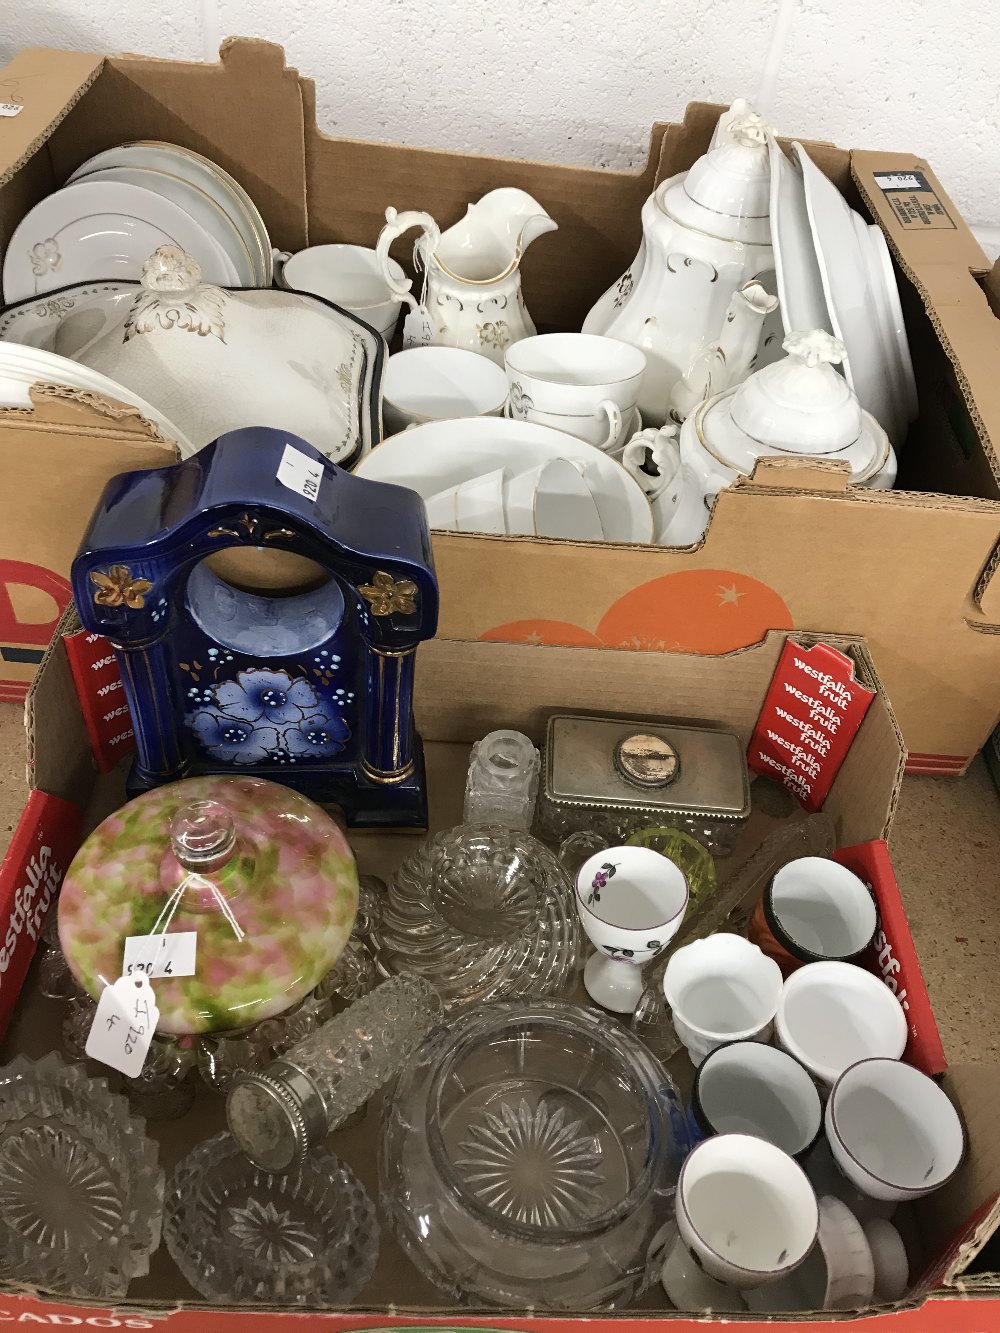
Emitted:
<point x="731" y="359"/>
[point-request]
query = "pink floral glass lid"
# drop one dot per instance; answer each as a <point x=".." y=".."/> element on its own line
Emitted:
<point x="261" y="875"/>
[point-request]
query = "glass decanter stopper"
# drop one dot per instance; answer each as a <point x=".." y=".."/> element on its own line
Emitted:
<point x="203" y="836"/>
<point x="279" y="1114"/>
<point x="502" y="782"/>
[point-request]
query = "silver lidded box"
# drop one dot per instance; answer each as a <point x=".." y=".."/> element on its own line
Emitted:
<point x="612" y="776"/>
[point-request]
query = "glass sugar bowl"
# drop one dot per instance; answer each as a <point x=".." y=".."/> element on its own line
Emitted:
<point x="261" y="878"/>
<point x="527" y="1158"/>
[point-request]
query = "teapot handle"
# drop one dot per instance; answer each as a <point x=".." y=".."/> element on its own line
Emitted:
<point x="666" y="456"/>
<point x="396" y="225"/>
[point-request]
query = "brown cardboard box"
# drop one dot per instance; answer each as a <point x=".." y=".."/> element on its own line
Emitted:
<point x="463" y="689"/>
<point x="913" y="570"/>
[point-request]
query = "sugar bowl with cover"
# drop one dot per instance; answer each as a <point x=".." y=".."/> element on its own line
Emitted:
<point x="259" y="879"/>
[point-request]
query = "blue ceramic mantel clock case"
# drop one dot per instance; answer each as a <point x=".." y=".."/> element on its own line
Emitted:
<point x="313" y="689"/>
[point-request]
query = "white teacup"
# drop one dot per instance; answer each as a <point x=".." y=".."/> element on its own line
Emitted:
<point x="349" y="276"/>
<point x="440" y="384"/>
<point x="746" y="1212"/>
<point x="473" y="506"/>
<point x="553" y="500"/>
<point x="580" y="383"/>
<point x="892" y="1131"/>
<point x="745" y="1087"/>
<point x="631" y="902"/>
<point x="721" y="989"/>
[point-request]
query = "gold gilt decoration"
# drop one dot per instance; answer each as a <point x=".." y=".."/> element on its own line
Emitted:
<point x="250" y="524"/>
<point x="118" y="588"/>
<point x="385" y="596"/>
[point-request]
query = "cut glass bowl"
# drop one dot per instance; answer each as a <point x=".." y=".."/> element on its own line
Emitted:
<point x="237" y="1233"/>
<point x="482" y="913"/>
<point x="81" y="1192"/>
<point x="527" y="1158"/>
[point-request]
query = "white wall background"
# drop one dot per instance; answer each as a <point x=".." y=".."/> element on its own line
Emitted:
<point x="582" y="80"/>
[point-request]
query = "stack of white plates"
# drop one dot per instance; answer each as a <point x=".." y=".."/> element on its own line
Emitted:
<point x="119" y="206"/>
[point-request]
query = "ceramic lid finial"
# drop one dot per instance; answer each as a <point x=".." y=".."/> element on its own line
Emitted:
<point x="748" y="129"/>
<point x="170" y="269"/>
<point x="815" y="347"/>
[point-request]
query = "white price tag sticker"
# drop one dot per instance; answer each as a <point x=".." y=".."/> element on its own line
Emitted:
<point x="10" y="108"/>
<point x="899" y="180"/>
<point x="299" y="472"/>
<point x="124" y="1024"/>
<point x="417" y="328"/>
<point x="161" y="955"/>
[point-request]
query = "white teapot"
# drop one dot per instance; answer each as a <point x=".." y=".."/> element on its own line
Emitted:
<point x="706" y="234"/>
<point x="796" y="407"/>
<point x="472" y="294"/>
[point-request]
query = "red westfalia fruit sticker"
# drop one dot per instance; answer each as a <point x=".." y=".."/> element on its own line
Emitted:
<point x="812" y="713"/>
<point x="893" y="956"/>
<point x="102" y="697"/>
<point x="44" y="842"/>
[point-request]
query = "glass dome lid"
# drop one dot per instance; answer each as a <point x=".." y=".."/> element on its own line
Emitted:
<point x="261" y="875"/>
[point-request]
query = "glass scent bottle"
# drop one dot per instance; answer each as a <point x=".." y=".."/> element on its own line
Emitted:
<point x="279" y="1114"/>
<point x="502" y="781"/>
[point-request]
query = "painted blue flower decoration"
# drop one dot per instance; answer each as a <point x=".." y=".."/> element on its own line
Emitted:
<point x="232" y="739"/>
<point x="272" y="696"/>
<point x="316" y="737"/>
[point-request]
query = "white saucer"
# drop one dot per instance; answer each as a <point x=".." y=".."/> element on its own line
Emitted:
<point x="441" y="454"/>
<point x="102" y="229"/>
<point x="853" y="299"/>
<point x="800" y="283"/>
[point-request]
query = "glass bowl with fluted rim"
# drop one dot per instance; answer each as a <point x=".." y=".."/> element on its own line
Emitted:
<point x="483" y="913"/>
<point x="240" y="1233"/>
<point x="81" y="1190"/>
<point x="526" y="1158"/>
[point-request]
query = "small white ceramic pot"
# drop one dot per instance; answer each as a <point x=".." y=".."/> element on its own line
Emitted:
<point x="440" y="384"/>
<point x="349" y="276"/>
<point x="747" y="1088"/>
<point x="474" y="506"/>
<point x="721" y="989"/>
<point x="553" y="500"/>
<point x="745" y="1210"/>
<point x="631" y="902"/>
<point x="892" y="1267"/>
<point x="814" y="910"/>
<point x="838" y="1274"/>
<point x="892" y="1131"/>
<point x="580" y="383"/>
<point x="831" y="1015"/>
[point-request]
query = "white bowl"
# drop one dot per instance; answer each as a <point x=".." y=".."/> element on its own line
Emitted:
<point x="440" y="384"/>
<point x="440" y="454"/>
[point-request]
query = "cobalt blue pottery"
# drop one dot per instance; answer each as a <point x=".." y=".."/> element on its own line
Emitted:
<point x="313" y="689"/>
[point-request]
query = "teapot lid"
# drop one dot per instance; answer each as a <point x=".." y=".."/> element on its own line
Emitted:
<point x="798" y="406"/>
<point x="264" y="879"/>
<point x="727" y="191"/>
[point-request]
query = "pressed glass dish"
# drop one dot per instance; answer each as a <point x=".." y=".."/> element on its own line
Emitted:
<point x="238" y="1233"/>
<point x="81" y="1191"/>
<point x="526" y="1158"/>
<point x="483" y="913"/>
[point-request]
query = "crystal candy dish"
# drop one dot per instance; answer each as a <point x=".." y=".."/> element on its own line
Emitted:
<point x="526" y="1158"/>
<point x="241" y="862"/>
<point x="81" y="1191"/>
<point x="483" y="913"/>
<point x="238" y="1233"/>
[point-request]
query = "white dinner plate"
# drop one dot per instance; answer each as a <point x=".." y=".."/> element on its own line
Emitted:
<point x="850" y="300"/>
<point x="102" y="229"/>
<point x="800" y="283"/>
<point x="197" y="204"/>
<point x="205" y="175"/>
<point x="431" y="458"/>
<point x="20" y="367"/>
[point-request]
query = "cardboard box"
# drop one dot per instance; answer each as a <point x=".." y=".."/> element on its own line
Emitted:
<point x="913" y="571"/>
<point x="462" y="690"/>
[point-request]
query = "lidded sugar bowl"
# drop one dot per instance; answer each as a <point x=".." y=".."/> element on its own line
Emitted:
<point x="261" y="877"/>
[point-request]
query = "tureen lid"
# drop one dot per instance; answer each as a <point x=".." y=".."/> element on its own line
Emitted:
<point x="263" y="877"/>
<point x="799" y="405"/>
<point x="727" y="191"/>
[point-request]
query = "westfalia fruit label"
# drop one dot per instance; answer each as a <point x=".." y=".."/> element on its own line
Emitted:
<point x="893" y="956"/>
<point x="812" y="713"/>
<point x="102" y="697"/>
<point x="44" y="843"/>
